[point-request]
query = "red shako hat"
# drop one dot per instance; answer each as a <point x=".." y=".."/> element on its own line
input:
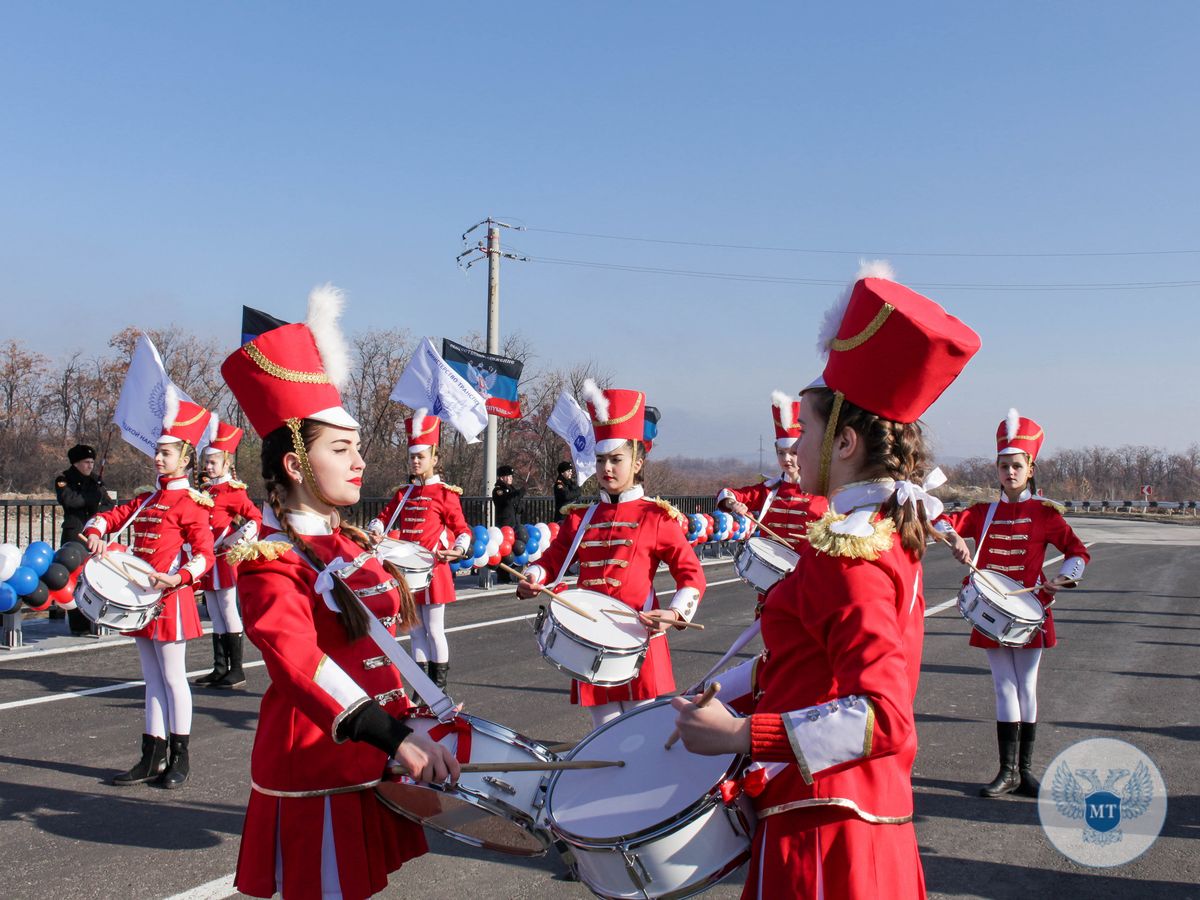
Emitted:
<point x="1017" y="434"/>
<point x="422" y="430"/>
<point x="892" y="351"/>
<point x="292" y="372"/>
<point x="786" y="413"/>
<point x="227" y="439"/>
<point x="184" y="420"/>
<point x="617" y="415"/>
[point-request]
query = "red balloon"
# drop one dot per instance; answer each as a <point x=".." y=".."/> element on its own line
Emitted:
<point x="553" y="526"/>
<point x="46" y="605"/>
<point x="494" y="560"/>
<point x="64" y="594"/>
<point x="505" y="548"/>
<point x="507" y="531"/>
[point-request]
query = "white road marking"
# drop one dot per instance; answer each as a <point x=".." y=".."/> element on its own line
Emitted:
<point x="217" y="889"/>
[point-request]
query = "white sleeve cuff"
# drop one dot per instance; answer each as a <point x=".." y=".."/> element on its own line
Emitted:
<point x="97" y="525"/>
<point x="1072" y="568"/>
<point x="736" y="683"/>
<point x="462" y="542"/>
<point x="725" y="494"/>
<point x="943" y="527"/>
<point x="536" y="574"/>
<point x="830" y="734"/>
<point x="375" y="527"/>
<point x="685" y="602"/>
<point x="196" y="566"/>
<point x="334" y="681"/>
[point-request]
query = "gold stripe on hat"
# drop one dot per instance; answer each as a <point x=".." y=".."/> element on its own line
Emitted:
<point x="625" y="418"/>
<point x="192" y="421"/>
<point x="428" y="430"/>
<point x="279" y="371"/>
<point x="867" y="333"/>
<point x="1026" y="437"/>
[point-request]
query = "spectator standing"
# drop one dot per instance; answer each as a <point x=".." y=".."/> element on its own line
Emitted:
<point x="81" y="494"/>
<point x="566" y="491"/>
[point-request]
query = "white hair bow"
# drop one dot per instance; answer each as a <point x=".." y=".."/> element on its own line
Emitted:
<point x="325" y="583"/>
<point x="909" y="492"/>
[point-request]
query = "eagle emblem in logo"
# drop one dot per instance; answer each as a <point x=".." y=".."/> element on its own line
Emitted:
<point x="1102" y="805"/>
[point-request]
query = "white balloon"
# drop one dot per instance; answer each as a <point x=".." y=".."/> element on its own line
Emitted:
<point x="494" y="533"/>
<point x="10" y="558"/>
<point x="545" y="530"/>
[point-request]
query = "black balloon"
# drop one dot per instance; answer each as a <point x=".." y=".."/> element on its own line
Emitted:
<point x="56" y="576"/>
<point x="72" y="554"/>
<point x="518" y="548"/>
<point x="38" y="595"/>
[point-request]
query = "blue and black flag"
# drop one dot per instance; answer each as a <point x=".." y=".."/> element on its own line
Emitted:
<point x="495" y="377"/>
<point x="256" y="322"/>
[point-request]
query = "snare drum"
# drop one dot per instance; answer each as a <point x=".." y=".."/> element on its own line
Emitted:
<point x="500" y="811"/>
<point x="606" y="652"/>
<point x="1010" y="620"/>
<point x="760" y="562"/>
<point x="658" y="826"/>
<point x="116" y="593"/>
<point x="414" y="561"/>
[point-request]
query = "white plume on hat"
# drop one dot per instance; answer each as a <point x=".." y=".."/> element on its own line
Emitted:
<point x="325" y="304"/>
<point x="867" y="268"/>
<point x="210" y="433"/>
<point x="171" y="410"/>
<point x="1012" y="424"/>
<point x="418" y="421"/>
<point x="592" y="394"/>
<point x="784" y="402"/>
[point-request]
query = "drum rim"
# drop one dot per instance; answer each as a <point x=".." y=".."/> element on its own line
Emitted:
<point x="991" y="604"/>
<point x="82" y="587"/>
<point x="758" y="537"/>
<point x="623" y="651"/>
<point x="636" y="838"/>
<point x="576" y="675"/>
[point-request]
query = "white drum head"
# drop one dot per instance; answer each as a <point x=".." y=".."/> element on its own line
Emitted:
<point x="774" y="553"/>
<point x="654" y="785"/>
<point x="615" y="631"/>
<point x="131" y="588"/>
<point x="998" y="589"/>
<point x="405" y="554"/>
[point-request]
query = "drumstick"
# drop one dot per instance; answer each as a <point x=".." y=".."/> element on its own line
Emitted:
<point x="708" y="694"/>
<point x="545" y="590"/>
<point x="634" y="614"/>
<point x="556" y="765"/>
<point x="766" y="529"/>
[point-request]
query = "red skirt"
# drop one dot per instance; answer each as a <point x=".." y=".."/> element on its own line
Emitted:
<point x="370" y="843"/>
<point x="178" y="621"/>
<point x="654" y="679"/>
<point x="829" y="852"/>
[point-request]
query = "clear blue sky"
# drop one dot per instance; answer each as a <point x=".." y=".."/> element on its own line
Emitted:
<point x="168" y="163"/>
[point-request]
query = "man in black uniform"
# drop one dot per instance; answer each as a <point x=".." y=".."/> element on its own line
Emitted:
<point x="81" y="495"/>
<point x="507" y="500"/>
<point x="566" y="491"/>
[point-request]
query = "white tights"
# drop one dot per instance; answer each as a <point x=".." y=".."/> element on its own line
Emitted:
<point x="429" y="637"/>
<point x="606" y="712"/>
<point x="1014" y="675"/>
<point x="223" y="610"/>
<point x="168" y="694"/>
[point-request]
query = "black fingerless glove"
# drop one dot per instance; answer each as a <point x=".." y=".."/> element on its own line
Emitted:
<point x="371" y="725"/>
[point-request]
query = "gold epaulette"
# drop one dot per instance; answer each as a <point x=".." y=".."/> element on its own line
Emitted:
<point x="249" y="550"/>
<point x="200" y="497"/>
<point x="666" y="507"/>
<point x="850" y="546"/>
<point x="237" y="485"/>
<point x="569" y="508"/>
<point x="1057" y="507"/>
<point x="454" y="488"/>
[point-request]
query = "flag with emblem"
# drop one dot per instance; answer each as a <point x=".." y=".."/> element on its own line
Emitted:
<point x="143" y="400"/>
<point x="572" y="424"/>
<point x="428" y="382"/>
<point x="494" y="377"/>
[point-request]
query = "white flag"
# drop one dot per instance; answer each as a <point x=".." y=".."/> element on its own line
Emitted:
<point x="143" y="401"/>
<point x="428" y="382"/>
<point x="572" y="424"/>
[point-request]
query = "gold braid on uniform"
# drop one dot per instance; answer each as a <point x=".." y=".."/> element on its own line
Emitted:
<point x="850" y="546"/>
<point x="305" y="466"/>
<point x="827" y="443"/>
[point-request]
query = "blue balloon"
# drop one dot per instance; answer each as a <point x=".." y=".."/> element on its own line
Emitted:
<point x="8" y="598"/>
<point x="480" y="532"/>
<point x="23" y="580"/>
<point x="38" y="557"/>
<point x="522" y="559"/>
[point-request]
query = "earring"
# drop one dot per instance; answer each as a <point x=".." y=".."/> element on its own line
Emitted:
<point x="299" y="479"/>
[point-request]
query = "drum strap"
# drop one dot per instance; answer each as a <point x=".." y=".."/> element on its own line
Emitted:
<point x="987" y="523"/>
<point x="399" y="506"/>
<point x="583" y="524"/>
<point x="734" y="649"/>
<point x="767" y="504"/>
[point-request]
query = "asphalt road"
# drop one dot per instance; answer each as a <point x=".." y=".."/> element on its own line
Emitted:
<point x="1126" y="667"/>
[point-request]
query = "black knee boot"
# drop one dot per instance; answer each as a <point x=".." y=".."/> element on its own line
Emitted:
<point x="152" y="764"/>
<point x="1029" y="784"/>
<point x="220" y="661"/>
<point x="440" y="673"/>
<point x="1008" y="738"/>
<point x="236" y="676"/>
<point x="177" y="768"/>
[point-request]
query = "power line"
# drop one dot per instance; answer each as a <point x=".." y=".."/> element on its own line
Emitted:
<point x="874" y="253"/>
<point x="840" y="282"/>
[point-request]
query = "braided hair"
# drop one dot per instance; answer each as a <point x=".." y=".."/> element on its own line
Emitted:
<point x="893" y="450"/>
<point x="353" y="616"/>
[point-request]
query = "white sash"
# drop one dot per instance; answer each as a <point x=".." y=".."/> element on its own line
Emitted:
<point x="987" y="523"/>
<point x="583" y="523"/>
<point x="399" y="506"/>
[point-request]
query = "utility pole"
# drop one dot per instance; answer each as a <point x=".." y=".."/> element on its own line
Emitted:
<point x="492" y="251"/>
<point x="760" y="452"/>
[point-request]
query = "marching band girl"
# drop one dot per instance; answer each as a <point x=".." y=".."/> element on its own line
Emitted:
<point x="171" y="533"/>
<point x="335" y="711"/>
<point x="428" y="512"/>
<point x="779" y="503"/>
<point x="832" y="732"/>
<point x="1011" y="536"/>
<point x="231" y="503"/>
<point x="619" y="543"/>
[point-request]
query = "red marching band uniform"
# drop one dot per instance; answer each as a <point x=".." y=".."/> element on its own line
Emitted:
<point x="313" y="826"/>
<point x="1017" y="534"/>
<point x="833" y="736"/>
<point x="625" y="539"/>
<point x="428" y="514"/>
<point x="230" y="502"/>
<point x="170" y="531"/>
<point x="779" y="503"/>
